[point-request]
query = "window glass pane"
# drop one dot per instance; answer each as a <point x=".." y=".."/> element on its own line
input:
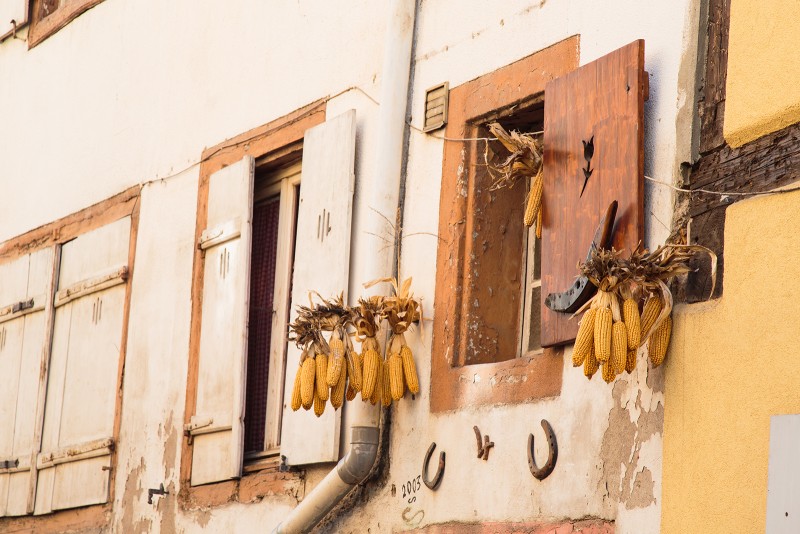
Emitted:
<point x="262" y="284"/>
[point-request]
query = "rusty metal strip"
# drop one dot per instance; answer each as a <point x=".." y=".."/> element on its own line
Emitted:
<point x="24" y="307"/>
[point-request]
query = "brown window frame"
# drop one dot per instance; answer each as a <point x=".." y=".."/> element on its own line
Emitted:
<point x="53" y="234"/>
<point x="509" y="379"/>
<point x="274" y="144"/>
<point x="43" y="27"/>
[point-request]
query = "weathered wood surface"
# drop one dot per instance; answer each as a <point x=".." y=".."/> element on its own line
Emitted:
<point x="603" y="100"/>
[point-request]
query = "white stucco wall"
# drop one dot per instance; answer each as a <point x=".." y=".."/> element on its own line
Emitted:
<point x="132" y="91"/>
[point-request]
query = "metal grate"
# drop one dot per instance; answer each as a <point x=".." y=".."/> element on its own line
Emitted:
<point x="436" y="107"/>
<point x="262" y="285"/>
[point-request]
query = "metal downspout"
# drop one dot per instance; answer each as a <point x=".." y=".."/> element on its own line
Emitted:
<point x="382" y="200"/>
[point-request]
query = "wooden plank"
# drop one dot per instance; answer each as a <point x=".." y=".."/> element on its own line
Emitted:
<point x="44" y="374"/>
<point x="223" y="335"/>
<point x="323" y="231"/>
<point x="603" y="100"/>
<point x="712" y="104"/>
<point x="769" y="162"/>
<point x="112" y="277"/>
<point x="21" y="342"/>
<point x="95" y="253"/>
<point x="281" y="299"/>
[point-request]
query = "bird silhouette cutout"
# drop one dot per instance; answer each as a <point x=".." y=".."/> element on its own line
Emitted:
<point x="588" y="152"/>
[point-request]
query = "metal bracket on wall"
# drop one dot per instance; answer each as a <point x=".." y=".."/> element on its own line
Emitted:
<point x="540" y="473"/>
<point x="437" y="478"/>
<point x="483" y="448"/>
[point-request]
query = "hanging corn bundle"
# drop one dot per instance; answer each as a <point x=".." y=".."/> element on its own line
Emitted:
<point x="612" y="328"/>
<point x="400" y="310"/>
<point x="367" y="325"/>
<point x="332" y="370"/>
<point x="524" y="162"/>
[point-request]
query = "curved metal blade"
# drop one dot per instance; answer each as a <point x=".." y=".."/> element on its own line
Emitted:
<point x="582" y="290"/>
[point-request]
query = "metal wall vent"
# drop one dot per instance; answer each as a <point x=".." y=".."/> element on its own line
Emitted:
<point x="436" y="107"/>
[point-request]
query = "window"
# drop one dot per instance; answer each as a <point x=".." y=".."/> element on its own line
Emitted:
<point x="49" y="16"/>
<point x="274" y="216"/>
<point x="249" y="277"/>
<point x="486" y="350"/>
<point x="62" y="339"/>
<point x="503" y="299"/>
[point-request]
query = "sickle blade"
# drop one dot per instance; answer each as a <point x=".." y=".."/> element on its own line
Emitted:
<point x="582" y="290"/>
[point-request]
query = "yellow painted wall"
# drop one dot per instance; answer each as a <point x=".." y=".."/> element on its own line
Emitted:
<point x="732" y="364"/>
<point x="763" y="84"/>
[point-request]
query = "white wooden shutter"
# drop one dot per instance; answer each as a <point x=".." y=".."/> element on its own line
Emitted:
<point x="322" y="264"/>
<point x="217" y="426"/>
<point x="24" y="285"/>
<point x="77" y="439"/>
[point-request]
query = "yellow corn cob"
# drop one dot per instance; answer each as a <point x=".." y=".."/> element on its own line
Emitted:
<point x="322" y="370"/>
<point x="319" y="405"/>
<point x="659" y="341"/>
<point x="534" y="199"/>
<point x="396" y="385"/>
<point x="336" y="361"/>
<point x="539" y="224"/>
<point x="350" y="393"/>
<point x="608" y="372"/>
<point x="630" y="362"/>
<point x="297" y="400"/>
<point x="372" y="366"/>
<point x="354" y="370"/>
<point x="630" y="313"/>
<point x="584" y="339"/>
<point x="308" y="371"/>
<point x="602" y="334"/>
<point x="590" y="365"/>
<point x="619" y="347"/>
<point x="409" y="369"/>
<point x="651" y="311"/>
<point x="337" y="391"/>
<point x="386" y="389"/>
<point x="377" y="391"/>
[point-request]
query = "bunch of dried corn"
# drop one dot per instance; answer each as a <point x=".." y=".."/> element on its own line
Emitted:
<point x="333" y="370"/>
<point x="524" y="162"/>
<point x="657" y="326"/>
<point x="402" y="371"/>
<point x="609" y="334"/>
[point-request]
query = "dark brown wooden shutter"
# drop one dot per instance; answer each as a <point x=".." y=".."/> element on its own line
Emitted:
<point x="605" y="100"/>
<point x="262" y="287"/>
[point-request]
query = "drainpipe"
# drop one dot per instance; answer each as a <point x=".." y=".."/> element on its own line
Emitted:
<point x="382" y="201"/>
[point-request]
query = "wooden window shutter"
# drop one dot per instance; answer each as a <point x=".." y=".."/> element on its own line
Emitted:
<point x="217" y="426"/>
<point x="77" y="440"/>
<point x="24" y="336"/>
<point x="601" y="102"/>
<point x="322" y="264"/>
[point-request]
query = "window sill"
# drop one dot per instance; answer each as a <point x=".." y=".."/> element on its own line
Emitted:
<point x="41" y="29"/>
<point x="509" y="382"/>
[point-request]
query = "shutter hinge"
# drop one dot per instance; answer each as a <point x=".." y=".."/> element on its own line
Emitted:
<point x="22" y="305"/>
<point x="9" y="464"/>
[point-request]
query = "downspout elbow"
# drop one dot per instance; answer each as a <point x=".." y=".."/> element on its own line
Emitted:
<point x="358" y="462"/>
